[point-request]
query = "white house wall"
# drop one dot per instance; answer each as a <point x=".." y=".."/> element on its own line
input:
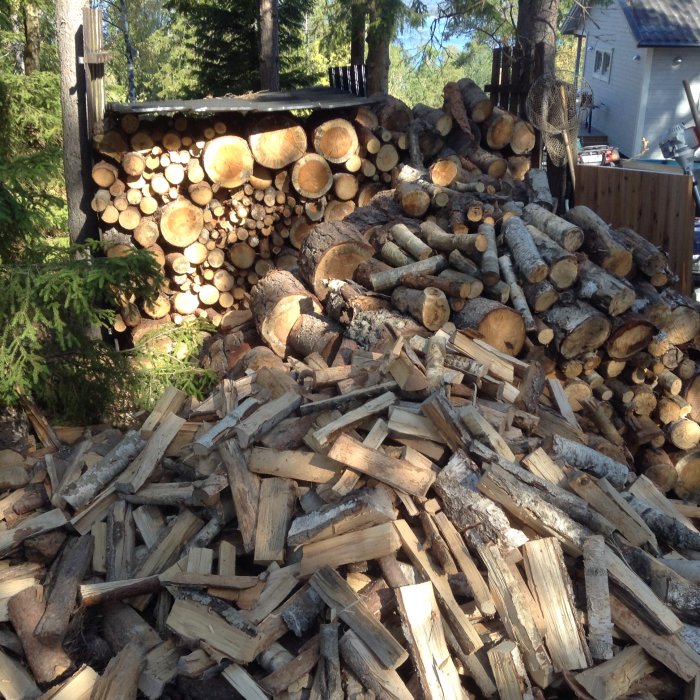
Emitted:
<point x="618" y="100"/>
<point x="667" y="104"/>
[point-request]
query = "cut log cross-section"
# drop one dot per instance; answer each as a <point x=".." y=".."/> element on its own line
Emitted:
<point x="312" y="176"/>
<point x="277" y="141"/>
<point x="429" y="305"/>
<point x="578" y="328"/>
<point x="499" y="325"/>
<point x="228" y="161"/>
<point x="335" y="140"/>
<point x="332" y="251"/>
<point x="476" y="101"/>
<point x="278" y="300"/>
<point x="181" y="223"/>
<point x="499" y="129"/>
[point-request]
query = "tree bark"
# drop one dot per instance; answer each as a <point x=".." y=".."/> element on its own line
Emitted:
<point x="32" y="38"/>
<point x="76" y="148"/>
<point x="379" y="35"/>
<point x="358" y="14"/>
<point x="269" y="45"/>
<point x="130" y="52"/>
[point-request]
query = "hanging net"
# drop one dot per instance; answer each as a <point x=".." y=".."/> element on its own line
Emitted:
<point x="553" y="107"/>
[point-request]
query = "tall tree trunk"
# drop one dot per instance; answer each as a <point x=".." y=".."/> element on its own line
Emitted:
<point x="32" y="38"/>
<point x="537" y="22"/>
<point x="76" y="142"/>
<point x="358" y="14"/>
<point x="379" y="36"/>
<point x="269" y="45"/>
<point x="17" y="47"/>
<point x="130" y="52"/>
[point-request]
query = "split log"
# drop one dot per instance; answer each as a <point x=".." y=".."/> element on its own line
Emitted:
<point x="89" y="485"/>
<point x="47" y="661"/>
<point x="332" y="251"/>
<point x="227" y="161"/>
<point x="429" y="305"/>
<point x="601" y="247"/>
<point x="499" y="325"/>
<point x="72" y="567"/>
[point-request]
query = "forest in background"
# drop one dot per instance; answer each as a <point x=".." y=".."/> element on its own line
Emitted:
<point x="164" y="49"/>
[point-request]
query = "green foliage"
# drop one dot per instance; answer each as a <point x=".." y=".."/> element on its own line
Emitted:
<point x="421" y="78"/>
<point x="225" y="36"/>
<point x="47" y="306"/>
<point x="168" y="356"/>
<point x="165" y="65"/>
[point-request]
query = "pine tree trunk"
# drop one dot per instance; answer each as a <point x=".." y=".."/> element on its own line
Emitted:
<point x="76" y="148"/>
<point x="269" y="45"/>
<point x="358" y="13"/>
<point x="130" y="52"/>
<point x="32" y="38"/>
<point x="379" y="36"/>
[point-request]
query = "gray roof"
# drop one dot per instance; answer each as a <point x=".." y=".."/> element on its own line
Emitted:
<point x="653" y="22"/>
<point x="306" y="98"/>
<point x="664" y="22"/>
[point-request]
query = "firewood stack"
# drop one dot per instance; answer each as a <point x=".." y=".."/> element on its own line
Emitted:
<point x="219" y="202"/>
<point x="417" y="520"/>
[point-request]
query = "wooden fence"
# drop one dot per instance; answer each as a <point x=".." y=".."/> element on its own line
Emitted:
<point x="659" y="206"/>
<point x="349" y="79"/>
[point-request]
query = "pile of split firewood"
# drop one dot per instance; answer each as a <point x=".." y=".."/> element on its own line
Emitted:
<point x="420" y="519"/>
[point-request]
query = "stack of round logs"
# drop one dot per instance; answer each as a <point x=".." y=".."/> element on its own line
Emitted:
<point x="221" y="201"/>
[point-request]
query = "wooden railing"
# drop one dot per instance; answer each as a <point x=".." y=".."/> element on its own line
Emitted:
<point x="349" y="79"/>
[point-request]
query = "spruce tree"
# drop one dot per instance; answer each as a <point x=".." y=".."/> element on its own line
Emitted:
<point x="226" y="38"/>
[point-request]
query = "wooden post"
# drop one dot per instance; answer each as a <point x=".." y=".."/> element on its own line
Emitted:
<point x="94" y="61"/>
<point x="76" y="142"/>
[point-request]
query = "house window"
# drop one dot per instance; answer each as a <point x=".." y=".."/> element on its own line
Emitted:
<point x="602" y="64"/>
